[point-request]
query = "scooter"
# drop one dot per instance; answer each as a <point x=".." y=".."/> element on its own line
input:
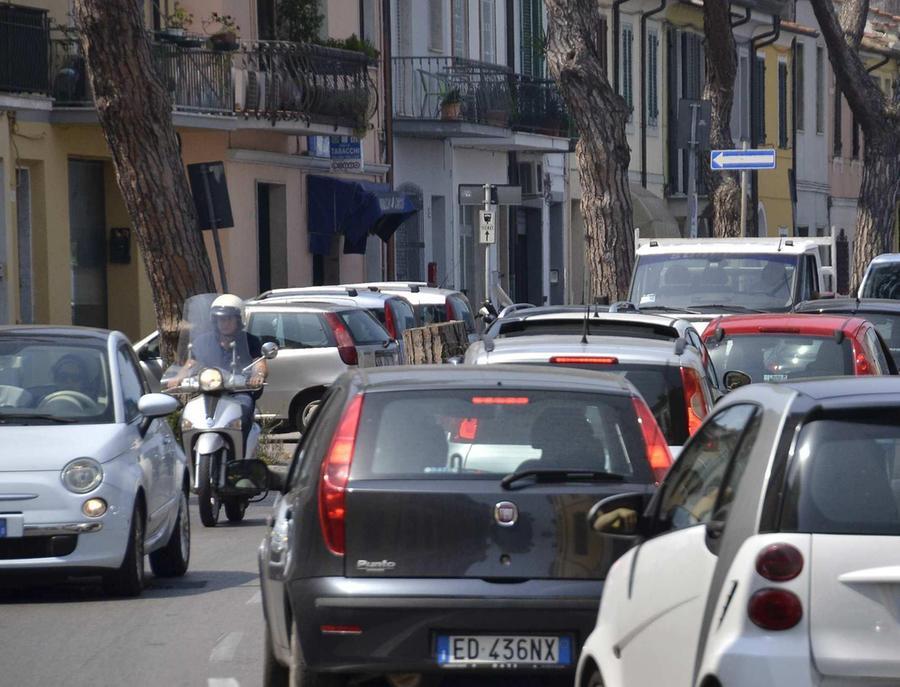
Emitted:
<point x="222" y="472"/>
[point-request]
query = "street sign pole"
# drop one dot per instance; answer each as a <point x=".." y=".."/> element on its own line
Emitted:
<point x="745" y="176"/>
<point x="487" y="247"/>
<point x="692" y="173"/>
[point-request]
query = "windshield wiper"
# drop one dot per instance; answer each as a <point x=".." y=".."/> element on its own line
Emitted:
<point x="36" y="416"/>
<point x="550" y="475"/>
<point x="729" y="307"/>
<point x="667" y="308"/>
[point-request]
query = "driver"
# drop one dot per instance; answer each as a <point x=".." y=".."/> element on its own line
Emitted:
<point x="213" y="349"/>
<point x="70" y="373"/>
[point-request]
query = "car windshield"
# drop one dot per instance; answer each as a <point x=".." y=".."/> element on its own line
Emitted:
<point x="781" y="357"/>
<point x="486" y="433"/>
<point x="883" y="281"/>
<point x="692" y="280"/>
<point x="845" y="476"/>
<point x="54" y="379"/>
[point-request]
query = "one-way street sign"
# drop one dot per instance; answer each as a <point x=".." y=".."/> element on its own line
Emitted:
<point x="742" y="159"/>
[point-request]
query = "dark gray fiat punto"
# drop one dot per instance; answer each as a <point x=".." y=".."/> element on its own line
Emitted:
<point x="434" y="520"/>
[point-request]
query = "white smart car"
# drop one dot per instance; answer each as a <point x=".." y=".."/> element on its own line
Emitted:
<point x="91" y="477"/>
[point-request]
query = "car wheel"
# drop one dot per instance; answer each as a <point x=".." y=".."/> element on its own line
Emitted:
<point x="235" y="509"/>
<point x="172" y="560"/>
<point x="596" y="680"/>
<point x="274" y="674"/>
<point x="209" y="504"/>
<point x="128" y="580"/>
<point x="304" y="408"/>
<point x="300" y="675"/>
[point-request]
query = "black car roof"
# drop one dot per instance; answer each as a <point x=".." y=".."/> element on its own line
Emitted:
<point x="850" y="305"/>
<point x="56" y="331"/>
<point x="846" y="387"/>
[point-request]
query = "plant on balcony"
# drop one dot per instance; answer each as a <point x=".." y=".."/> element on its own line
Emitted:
<point x="451" y="104"/>
<point x="226" y="35"/>
<point x="178" y="21"/>
<point x="354" y="44"/>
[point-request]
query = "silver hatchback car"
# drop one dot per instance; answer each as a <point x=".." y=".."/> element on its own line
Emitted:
<point x="91" y="478"/>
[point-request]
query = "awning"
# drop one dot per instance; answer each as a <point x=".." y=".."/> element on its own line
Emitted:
<point x="354" y="209"/>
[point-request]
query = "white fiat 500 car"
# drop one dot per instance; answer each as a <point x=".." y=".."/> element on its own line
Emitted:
<point x="770" y="555"/>
<point x="91" y="477"/>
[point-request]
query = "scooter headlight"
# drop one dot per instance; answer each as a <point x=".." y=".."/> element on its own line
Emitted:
<point x="82" y="475"/>
<point x="211" y="379"/>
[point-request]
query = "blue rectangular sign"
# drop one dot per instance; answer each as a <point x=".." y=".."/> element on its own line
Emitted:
<point x="742" y="159"/>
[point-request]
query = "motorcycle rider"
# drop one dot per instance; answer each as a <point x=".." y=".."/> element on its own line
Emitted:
<point x="214" y="349"/>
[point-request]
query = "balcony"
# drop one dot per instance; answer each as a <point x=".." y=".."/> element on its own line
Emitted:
<point x="24" y="50"/>
<point x="441" y="97"/>
<point x="261" y="84"/>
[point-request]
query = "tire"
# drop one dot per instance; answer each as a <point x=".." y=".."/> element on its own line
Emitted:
<point x="235" y="509"/>
<point x="209" y="503"/>
<point x="596" y="680"/>
<point x="302" y="409"/>
<point x="172" y="560"/>
<point x="301" y="676"/>
<point x="274" y="674"/>
<point x="128" y="580"/>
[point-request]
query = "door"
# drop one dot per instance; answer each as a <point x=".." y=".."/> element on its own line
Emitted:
<point x="557" y="255"/>
<point x="23" y="221"/>
<point x="271" y="224"/>
<point x="671" y="573"/>
<point x="4" y="284"/>
<point x="87" y="233"/>
<point x="439" y="238"/>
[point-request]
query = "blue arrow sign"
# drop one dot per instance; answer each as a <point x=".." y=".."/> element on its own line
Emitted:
<point x="742" y="159"/>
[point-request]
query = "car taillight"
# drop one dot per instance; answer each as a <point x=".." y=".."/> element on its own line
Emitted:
<point x="583" y="360"/>
<point x="860" y="364"/>
<point x="657" y="448"/>
<point x="390" y="322"/>
<point x="334" y="477"/>
<point x="345" y="345"/>
<point x="694" y="399"/>
<point x="775" y="609"/>
<point x="779" y="562"/>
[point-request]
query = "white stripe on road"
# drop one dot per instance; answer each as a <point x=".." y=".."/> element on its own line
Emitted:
<point x="255" y="599"/>
<point x="225" y="647"/>
<point x="223" y="682"/>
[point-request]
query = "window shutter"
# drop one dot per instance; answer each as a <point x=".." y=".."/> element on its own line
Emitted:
<point x="603" y="44"/>
<point x="488" y="32"/>
<point x="627" y="86"/>
<point x="782" y="105"/>
<point x="460" y="28"/>
<point x="838" y="123"/>
<point x="652" y="79"/>
<point x="527" y="37"/>
<point x="800" y="86"/>
<point x="403" y="28"/>
<point x="436" y="25"/>
<point x="820" y="90"/>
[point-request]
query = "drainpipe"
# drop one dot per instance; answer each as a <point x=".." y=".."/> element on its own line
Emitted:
<point x="756" y="43"/>
<point x="795" y="142"/>
<point x="878" y="65"/>
<point x="615" y="31"/>
<point x="644" y="16"/>
<point x="744" y="20"/>
<point x="388" y="76"/>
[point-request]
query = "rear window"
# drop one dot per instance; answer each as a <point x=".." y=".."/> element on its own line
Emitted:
<point x="781" y="357"/>
<point x="364" y="328"/>
<point x="429" y="314"/>
<point x="486" y="433"/>
<point x="461" y="306"/>
<point x="291" y="330"/>
<point x="404" y="315"/>
<point x="504" y="330"/>
<point x="845" y="477"/>
<point x="883" y="282"/>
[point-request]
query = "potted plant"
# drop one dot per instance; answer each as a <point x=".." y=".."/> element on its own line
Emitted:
<point x="226" y="37"/>
<point x="451" y="104"/>
<point x="179" y="20"/>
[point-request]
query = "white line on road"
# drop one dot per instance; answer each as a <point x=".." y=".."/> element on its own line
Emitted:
<point x="223" y="682"/>
<point x="255" y="599"/>
<point x="225" y="647"/>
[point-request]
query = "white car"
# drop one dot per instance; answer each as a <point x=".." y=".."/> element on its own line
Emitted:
<point x="882" y="277"/>
<point x="770" y="554"/>
<point x="91" y="477"/>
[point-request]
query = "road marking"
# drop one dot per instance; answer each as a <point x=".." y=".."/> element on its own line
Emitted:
<point x="255" y="599"/>
<point x="223" y="682"/>
<point x="225" y="647"/>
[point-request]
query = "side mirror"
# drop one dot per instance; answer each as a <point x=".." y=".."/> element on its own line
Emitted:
<point x="270" y="350"/>
<point x="157" y="405"/>
<point x="734" y="379"/>
<point x="618" y="515"/>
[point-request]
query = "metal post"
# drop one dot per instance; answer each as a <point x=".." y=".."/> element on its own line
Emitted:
<point x="745" y="180"/>
<point x="223" y="280"/>
<point x="692" y="173"/>
<point x="487" y="248"/>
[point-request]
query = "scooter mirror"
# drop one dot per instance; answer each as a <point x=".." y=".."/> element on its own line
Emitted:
<point x="269" y="350"/>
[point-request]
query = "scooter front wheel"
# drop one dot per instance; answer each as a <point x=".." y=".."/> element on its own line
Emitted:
<point x="209" y="503"/>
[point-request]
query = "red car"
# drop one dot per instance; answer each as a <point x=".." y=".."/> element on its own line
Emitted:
<point x="782" y="347"/>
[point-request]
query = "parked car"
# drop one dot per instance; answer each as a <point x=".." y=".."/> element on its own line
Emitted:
<point x="92" y="478"/>
<point x="882" y="278"/>
<point x="433" y="522"/>
<point x="783" y="347"/>
<point x="316" y="343"/>
<point x="769" y="554"/>
<point x="674" y="375"/>
<point x="882" y="312"/>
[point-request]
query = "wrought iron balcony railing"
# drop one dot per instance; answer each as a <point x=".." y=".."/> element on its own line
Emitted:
<point x="540" y="108"/>
<point x="24" y="50"/>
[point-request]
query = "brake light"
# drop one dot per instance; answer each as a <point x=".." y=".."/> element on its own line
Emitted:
<point x="860" y="363"/>
<point x="390" y="322"/>
<point x="779" y="562"/>
<point x="657" y="448"/>
<point x="334" y="477"/>
<point x="345" y="345"/>
<point x="583" y="360"/>
<point x="775" y="609"/>
<point x="500" y="400"/>
<point x="468" y="429"/>
<point x="341" y="629"/>
<point x="694" y="399"/>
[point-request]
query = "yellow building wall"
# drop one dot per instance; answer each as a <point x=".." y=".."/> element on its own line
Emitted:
<point x="774" y="185"/>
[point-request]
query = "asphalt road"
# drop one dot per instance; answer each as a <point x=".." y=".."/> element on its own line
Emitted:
<point x="202" y="630"/>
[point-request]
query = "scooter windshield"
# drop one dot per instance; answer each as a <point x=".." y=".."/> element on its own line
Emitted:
<point x="198" y="335"/>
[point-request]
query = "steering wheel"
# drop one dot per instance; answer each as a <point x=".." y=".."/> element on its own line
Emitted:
<point x="83" y="402"/>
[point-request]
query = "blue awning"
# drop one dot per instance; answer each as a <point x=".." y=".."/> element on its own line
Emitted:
<point x="354" y="209"/>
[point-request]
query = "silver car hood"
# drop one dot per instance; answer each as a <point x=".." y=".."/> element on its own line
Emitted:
<point x="43" y="447"/>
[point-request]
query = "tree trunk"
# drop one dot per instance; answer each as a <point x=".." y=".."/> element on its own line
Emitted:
<point x="135" y="112"/>
<point x="879" y="121"/>
<point x="721" y="70"/>
<point x="577" y="65"/>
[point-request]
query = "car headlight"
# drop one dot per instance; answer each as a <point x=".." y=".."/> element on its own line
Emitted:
<point x="211" y="379"/>
<point x="82" y="475"/>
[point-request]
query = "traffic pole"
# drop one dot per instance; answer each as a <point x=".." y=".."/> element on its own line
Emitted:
<point x="745" y="178"/>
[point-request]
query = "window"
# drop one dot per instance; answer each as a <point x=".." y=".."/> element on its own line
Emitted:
<point x="369" y="27"/>
<point x="820" y="90"/>
<point x="758" y="125"/>
<point x="800" y="85"/>
<point x="803" y="231"/>
<point x="744" y="96"/>
<point x="774" y="358"/>
<point x="436" y="25"/>
<point x="265" y="19"/>
<point x="626" y="71"/>
<point x="364" y="328"/>
<point x="603" y="44"/>
<point x="488" y="31"/>
<point x="290" y="330"/>
<point x="695" y="482"/>
<point x="532" y="36"/>
<point x="652" y="78"/>
<point x="855" y="140"/>
<point x="132" y="383"/>
<point x="459" y="27"/>
<point x="782" y="105"/>
<point x="838" y="122"/>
